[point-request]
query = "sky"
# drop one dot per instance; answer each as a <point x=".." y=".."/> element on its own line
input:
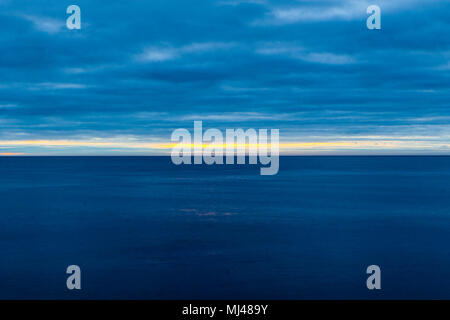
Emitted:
<point x="137" y="70"/>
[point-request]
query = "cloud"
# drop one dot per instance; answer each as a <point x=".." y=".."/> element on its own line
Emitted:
<point x="161" y="54"/>
<point x="292" y="15"/>
<point x="57" y="86"/>
<point x="329" y="58"/>
<point x="310" y="69"/>
<point x="45" y="24"/>
<point x="155" y="54"/>
<point x="206" y="47"/>
<point x="444" y="67"/>
<point x="230" y="116"/>
<point x="240" y="2"/>
<point x="331" y="10"/>
<point x="296" y="52"/>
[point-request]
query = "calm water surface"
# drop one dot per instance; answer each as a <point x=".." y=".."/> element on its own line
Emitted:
<point x="142" y="228"/>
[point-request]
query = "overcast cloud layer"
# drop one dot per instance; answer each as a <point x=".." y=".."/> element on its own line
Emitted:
<point x="139" y="69"/>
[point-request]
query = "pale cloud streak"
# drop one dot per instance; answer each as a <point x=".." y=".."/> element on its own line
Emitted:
<point x="318" y="11"/>
<point x="166" y="53"/>
<point x="298" y="52"/>
<point x="235" y="3"/>
<point x="45" y="24"/>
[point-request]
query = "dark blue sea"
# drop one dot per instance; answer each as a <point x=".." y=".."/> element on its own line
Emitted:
<point x="143" y="228"/>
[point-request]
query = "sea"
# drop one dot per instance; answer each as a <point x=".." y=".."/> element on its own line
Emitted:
<point x="144" y="228"/>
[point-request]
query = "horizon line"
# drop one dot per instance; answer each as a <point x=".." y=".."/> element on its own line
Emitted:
<point x="281" y="155"/>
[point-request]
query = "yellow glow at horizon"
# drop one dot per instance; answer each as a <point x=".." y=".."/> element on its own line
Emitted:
<point x="10" y="154"/>
<point x="133" y="144"/>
